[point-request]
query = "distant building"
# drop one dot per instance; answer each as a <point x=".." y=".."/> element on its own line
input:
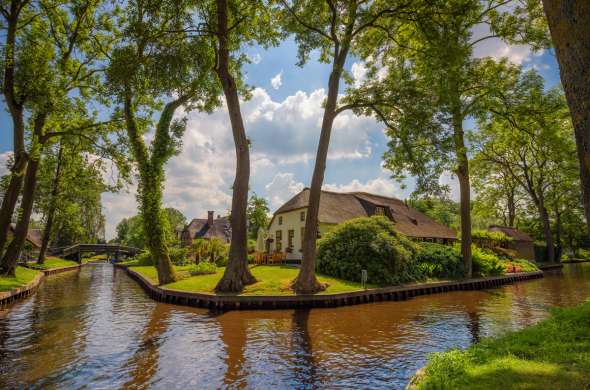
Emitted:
<point x="286" y="228"/>
<point x="521" y="242"/>
<point x="206" y="228"/>
<point x="33" y="242"/>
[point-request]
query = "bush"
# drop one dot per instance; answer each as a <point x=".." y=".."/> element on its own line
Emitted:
<point x="583" y="253"/>
<point x="203" y="268"/>
<point x="251" y="246"/>
<point x="497" y="237"/>
<point x="519" y="265"/>
<point x="371" y="244"/>
<point x="439" y="261"/>
<point x="486" y="263"/>
<point x="178" y="256"/>
<point x="144" y="258"/>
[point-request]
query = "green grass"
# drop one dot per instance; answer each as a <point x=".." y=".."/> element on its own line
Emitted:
<point x="23" y="276"/>
<point x="554" y="354"/>
<point x="53" y="262"/>
<point x="272" y="280"/>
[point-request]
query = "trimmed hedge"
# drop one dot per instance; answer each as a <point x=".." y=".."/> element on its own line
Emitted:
<point x="371" y="244"/>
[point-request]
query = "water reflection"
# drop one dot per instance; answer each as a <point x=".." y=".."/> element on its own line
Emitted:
<point x="97" y="328"/>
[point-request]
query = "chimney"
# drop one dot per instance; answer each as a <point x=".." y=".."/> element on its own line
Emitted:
<point x="210" y="218"/>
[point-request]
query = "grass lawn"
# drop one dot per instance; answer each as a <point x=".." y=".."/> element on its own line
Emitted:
<point x="554" y="354"/>
<point x="53" y="262"/>
<point x="23" y="276"/>
<point x="273" y="280"/>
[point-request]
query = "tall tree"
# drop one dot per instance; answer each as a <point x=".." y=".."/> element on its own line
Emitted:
<point x="158" y="63"/>
<point x="232" y="25"/>
<point x="568" y="22"/>
<point x="257" y="214"/>
<point x="423" y="83"/>
<point x="333" y="28"/>
<point x="528" y="134"/>
<point x="57" y="84"/>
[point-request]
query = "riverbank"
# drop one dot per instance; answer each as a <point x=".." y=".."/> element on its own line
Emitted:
<point x="554" y="354"/>
<point x="251" y="302"/>
<point x="22" y="285"/>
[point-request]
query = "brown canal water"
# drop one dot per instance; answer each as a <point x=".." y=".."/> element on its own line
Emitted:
<point x="96" y="329"/>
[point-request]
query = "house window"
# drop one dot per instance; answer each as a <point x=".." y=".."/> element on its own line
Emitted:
<point x="379" y="210"/>
<point x="279" y="238"/>
<point x="280" y="220"/>
<point x="290" y="236"/>
<point x="302" y="216"/>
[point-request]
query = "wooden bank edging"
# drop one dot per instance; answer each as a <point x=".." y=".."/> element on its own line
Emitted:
<point x="18" y="293"/>
<point x="549" y="267"/>
<point x="250" y="302"/>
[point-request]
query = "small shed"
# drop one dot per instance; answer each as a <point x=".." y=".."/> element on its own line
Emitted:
<point x="521" y="242"/>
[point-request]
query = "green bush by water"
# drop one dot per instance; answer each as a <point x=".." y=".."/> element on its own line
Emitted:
<point x="439" y="261"/>
<point x="371" y="244"/>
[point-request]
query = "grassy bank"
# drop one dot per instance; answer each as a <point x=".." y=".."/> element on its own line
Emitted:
<point x="52" y="262"/>
<point x="554" y="354"/>
<point x="23" y="276"/>
<point x="272" y="280"/>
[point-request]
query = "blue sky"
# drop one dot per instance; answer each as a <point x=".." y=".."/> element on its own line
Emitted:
<point x="283" y="121"/>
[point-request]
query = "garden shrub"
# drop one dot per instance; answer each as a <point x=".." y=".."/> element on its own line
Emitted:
<point x="486" y="262"/>
<point x="144" y="258"/>
<point x="519" y="265"/>
<point x="439" y="261"/>
<point x="583" y="253"/>
<point x="178" y="256"/>
<point x="203" y="268"/>
<point x="371" y="244"/>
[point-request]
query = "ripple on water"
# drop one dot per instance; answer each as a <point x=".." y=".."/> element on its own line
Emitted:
<point x="97" y="327"/>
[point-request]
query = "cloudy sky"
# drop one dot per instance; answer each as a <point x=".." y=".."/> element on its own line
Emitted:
<point x="282" y="120"/>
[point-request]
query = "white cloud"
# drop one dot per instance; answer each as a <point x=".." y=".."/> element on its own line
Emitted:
<point x="497" y="48"/>
<point x="283" y="134"/>
<point x="277" y="81"/>
<point x="282" y="187"/>
<point x="380" y="186"/>
<point x="255" y="58"/>
<point x="4" y="157"/>
<point x="359" y="71"/>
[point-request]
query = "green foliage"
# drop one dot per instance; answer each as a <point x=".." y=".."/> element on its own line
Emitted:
<point x="554" y="354"/>
<point x="486" y="262"/>
<point x="519" y="265"/>
<point x="371" y="244"/>
<point x="440" y="261"/>
<point x="213" y="250"/>
<point x="583" y="253"/>
<point x="441" y="209"/>
<point x="21" y="278"/>
<point x="130" y="231"/>
<point x="203" y="268"/>
<point x="495" y="237"/>
<point x="144" y="258"/>
<point x="257" y="214"/>
<point x="178" y="256"/>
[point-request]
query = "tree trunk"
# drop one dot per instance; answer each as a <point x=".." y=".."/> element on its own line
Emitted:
<point x="544" y="215"/>
<point x="464" y="193"/>
<point x="10" y="258"/>
<point x="52" y="208"/>
<point x="568" y="22"/>
<point x="558" y="236"/>
<point x="306" y="281"/>
<point x="511" y="205"/>
<point x="11" y="197"/>
<point x="237" y="274"/>
<point x="15" y="107"/>
<point x="151" y="210"/>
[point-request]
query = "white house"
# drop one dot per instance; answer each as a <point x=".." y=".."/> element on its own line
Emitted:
<point x="285" y="231"/>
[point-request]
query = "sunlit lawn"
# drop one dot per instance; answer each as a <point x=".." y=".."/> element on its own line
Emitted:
<point x="272" y="280"/>
<point x="554" y="354"/>
<point x="23" y="276"/>
<point x="53" y="262"/>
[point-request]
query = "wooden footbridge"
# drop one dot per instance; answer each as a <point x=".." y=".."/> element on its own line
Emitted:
<point x="75" y="251"/>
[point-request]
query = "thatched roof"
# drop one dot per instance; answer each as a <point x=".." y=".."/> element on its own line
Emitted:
<point x="199" y="228"/>
<point x="516" y="234"/>
<point x="34" y="236"/>
<point x="337" y="207"/>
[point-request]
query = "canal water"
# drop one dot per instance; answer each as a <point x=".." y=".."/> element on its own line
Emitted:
<point x="96" y="329"/>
